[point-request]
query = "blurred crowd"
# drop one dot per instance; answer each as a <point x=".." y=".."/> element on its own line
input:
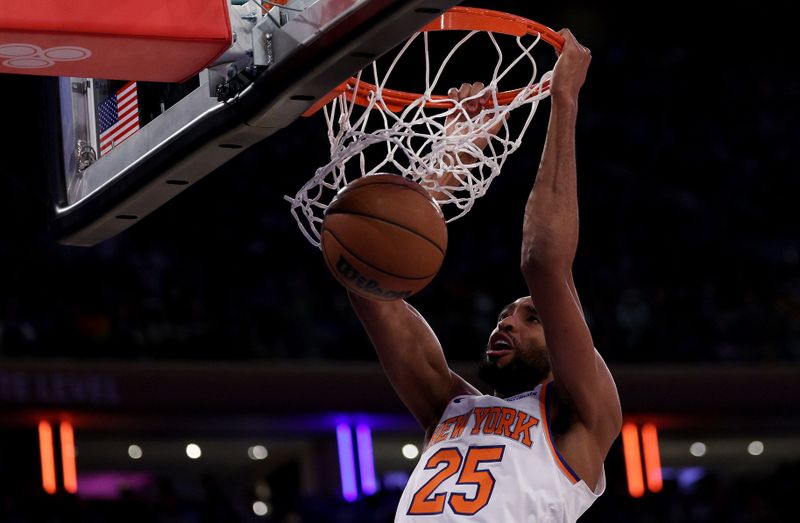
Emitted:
<point x="689" y="244"/>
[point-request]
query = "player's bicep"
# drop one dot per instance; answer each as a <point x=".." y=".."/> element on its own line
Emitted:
<point x="411" y="356"/>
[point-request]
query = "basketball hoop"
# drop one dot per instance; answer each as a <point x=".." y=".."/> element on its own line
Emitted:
<point x="408" y="129"/>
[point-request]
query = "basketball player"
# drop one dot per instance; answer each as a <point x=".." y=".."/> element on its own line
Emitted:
<point x="534" y="450"/>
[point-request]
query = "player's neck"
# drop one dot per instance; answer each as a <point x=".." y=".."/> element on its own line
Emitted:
<point x="524" y="389"/>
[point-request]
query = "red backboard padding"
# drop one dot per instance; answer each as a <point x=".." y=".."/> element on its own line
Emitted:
<point x="152" y="40"/>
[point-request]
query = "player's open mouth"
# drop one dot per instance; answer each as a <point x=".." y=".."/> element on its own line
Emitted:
<point x="500" y="344"/>
<point x="497" y="353"/>
<point x="502" y="340"/>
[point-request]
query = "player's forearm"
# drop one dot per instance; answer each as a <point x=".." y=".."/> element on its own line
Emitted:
<point x="402" y="338"/>
<point x="410" y="355"/>
<point x="550" y="226"/>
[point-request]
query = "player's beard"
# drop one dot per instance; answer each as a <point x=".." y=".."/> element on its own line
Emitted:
<point x="517" y="376"/>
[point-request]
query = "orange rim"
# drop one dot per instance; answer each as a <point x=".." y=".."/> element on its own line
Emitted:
<point x="455" y="19"/>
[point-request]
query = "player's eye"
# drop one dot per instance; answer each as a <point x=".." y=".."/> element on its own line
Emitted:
<point x="532" y="319"/>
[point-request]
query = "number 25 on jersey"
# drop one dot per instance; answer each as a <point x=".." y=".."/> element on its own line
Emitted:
<point x="425" y="502"/>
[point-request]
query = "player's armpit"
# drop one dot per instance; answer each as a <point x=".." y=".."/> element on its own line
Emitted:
<point x="411" y="356"/>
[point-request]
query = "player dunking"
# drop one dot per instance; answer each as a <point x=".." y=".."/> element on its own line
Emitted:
<point x="534" y="450"/>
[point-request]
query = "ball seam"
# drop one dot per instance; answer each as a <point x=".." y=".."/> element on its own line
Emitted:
<point x="360" y="259"/>
<point x="383" y="220"/>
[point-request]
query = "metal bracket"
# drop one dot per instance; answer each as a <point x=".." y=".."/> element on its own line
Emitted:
<point x="244" y="18"/>
<point x="85" y="155"/>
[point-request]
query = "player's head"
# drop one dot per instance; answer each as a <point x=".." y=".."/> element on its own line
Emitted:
<point x="516" y="358"/>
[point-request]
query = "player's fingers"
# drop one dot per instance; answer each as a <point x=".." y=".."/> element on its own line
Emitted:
<point x="476" y="88"/>
<point x="472" y="105"/>
<point x="486" y="97"/>
<point x="452" y="93"/>
<point x="463" y="91"/>
<point x="475" y="92"/>
<point x="569" y="38"/>
<point x="570" y="41"/>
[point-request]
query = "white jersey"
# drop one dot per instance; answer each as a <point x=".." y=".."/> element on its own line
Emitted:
<point x="493" y="460"/>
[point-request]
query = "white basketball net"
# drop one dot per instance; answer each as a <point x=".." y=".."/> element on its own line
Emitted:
<point x="415" y="142"/>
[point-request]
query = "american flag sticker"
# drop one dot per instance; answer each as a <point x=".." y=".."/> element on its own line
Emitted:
<point x="119" y="117"/>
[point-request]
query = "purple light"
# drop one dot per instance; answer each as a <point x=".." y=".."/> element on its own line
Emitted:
<point x="347" y="465"/>
<point x="111" y="484"/>
<point x="365" y="461"/>
<point x="689" y="476"/>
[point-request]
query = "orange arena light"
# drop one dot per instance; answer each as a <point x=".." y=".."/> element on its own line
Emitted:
<point x="633" y="459"/>
<point x="652" y="457"/>
<point x="47" y="456"/>
<point x="68" y="457"/>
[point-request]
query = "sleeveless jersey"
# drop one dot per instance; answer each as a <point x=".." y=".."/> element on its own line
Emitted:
<point x="493" y="460"/>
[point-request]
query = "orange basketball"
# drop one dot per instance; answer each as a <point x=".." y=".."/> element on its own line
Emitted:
<point x="384" y="237"/>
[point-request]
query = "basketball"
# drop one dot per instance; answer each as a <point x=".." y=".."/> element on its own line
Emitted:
<point x="384" y="237"/>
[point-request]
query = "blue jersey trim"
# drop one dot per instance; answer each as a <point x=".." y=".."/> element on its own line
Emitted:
<point x="550" y="434"/>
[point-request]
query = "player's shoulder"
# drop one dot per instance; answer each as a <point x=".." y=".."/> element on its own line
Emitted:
<point x="467" y="397"/>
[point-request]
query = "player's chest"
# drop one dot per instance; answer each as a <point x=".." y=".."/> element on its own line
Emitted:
<point x="499" y="424"/>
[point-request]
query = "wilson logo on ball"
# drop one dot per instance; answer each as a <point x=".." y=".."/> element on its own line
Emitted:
<point x="351" y="274"/>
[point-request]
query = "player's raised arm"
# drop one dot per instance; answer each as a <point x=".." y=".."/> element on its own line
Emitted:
<point x="550" y="240"/>
<point x="411" y="356"/>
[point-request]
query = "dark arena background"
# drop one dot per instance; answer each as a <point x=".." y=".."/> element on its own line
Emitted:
<point x="204" y="366"/>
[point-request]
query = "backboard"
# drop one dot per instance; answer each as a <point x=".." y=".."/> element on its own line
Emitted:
<point x="124" y="147"/>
